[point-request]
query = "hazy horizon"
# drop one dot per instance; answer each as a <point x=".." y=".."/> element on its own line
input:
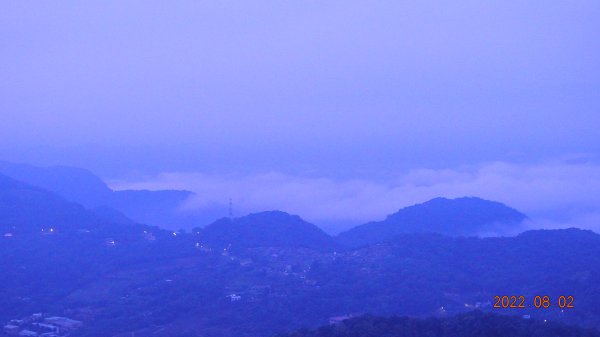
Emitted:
<point x="340" y="112"/>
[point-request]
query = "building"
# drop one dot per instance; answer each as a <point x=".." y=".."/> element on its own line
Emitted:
<point x="47" y="327"/>
<point x="149" y="236"/>
<point x="234" y="297"/>
<point x="338" y="319"/>
<point x="11" y="329"/>
<point x="64" y="323"/>
<point x="49" y="334"/>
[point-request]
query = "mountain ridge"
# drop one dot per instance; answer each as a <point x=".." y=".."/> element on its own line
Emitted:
<point x="453" y="217"/>
<point x="269" y="228"/>
<point x="275" y="276"/>
<point x="156" y="208"/>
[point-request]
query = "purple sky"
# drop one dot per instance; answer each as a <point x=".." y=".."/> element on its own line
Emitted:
<point x="347" y="91"/>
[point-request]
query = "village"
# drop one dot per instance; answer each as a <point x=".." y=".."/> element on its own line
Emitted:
<point x="40" y="325"/>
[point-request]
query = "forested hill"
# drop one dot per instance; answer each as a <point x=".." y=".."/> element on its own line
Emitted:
<point x="468" y="216"/>
<point x="26" y="208"/>
<point x="156" y="208"/>
<point x="265" y="229"/>
<point x="473" y="324"/>
<point x="281" y="273"/>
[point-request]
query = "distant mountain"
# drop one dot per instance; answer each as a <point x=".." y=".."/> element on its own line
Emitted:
<point x="124" y="280"/>
<point x="266" y="229"/>
<point x="25" y="208"/>
<point x="75" y="184"/>
<point x="156" y="208"/>
<point x="50" y="246"/>
<point x="472" y="324"/>
<point x="461" y="216"/>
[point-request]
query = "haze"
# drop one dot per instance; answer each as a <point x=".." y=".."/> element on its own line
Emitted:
<point x="339" y="111"/>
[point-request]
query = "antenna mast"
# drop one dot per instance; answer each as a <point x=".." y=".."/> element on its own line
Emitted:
<point x="230" y="208"/>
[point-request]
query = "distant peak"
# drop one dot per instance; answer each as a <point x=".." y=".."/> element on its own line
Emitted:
<point x="455" y="217"/>
<point x="275" y="214"/>
<point x="264" y="229"/>
<point x="465" y="199"/>
<point x="572" y="232"/>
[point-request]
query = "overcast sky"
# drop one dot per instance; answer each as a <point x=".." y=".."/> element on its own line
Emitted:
<point x="329" y="90"/>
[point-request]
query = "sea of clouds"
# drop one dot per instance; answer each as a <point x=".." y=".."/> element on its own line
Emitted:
<point x="554" y="194"/>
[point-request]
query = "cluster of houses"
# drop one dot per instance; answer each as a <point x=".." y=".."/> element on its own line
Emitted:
<point x="38" y="325"/>
<point x="44" y="231"/>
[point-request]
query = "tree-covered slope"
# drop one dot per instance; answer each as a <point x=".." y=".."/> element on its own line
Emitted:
<point x="474" y="324"/>
<point x="266" y="229"/>
<point x="157" y="208"/>
<point x="461" y="216"/>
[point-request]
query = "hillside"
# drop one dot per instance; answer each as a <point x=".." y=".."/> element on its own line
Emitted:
<point x="277" y="274"/>
<point x="167" y="286"/>
<point x="266" y="229"/>
<point x="25" y="208"/>
<point x="454" y="217"/>
<point x="474" y="324"/>
<point x="286" y="288"/>
<point x="417" y="274"/>
<point x="156" y="208"/>
<point x="75" y="184"/>
<point x="50" y="246"/>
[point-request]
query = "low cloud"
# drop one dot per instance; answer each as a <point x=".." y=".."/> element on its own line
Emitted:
<point x="554" y="194"/>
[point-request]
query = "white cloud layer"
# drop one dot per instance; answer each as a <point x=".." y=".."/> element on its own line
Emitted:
<point x="553" y="194"/>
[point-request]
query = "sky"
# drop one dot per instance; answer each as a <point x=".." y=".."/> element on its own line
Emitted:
<point x="333" y="109"/>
